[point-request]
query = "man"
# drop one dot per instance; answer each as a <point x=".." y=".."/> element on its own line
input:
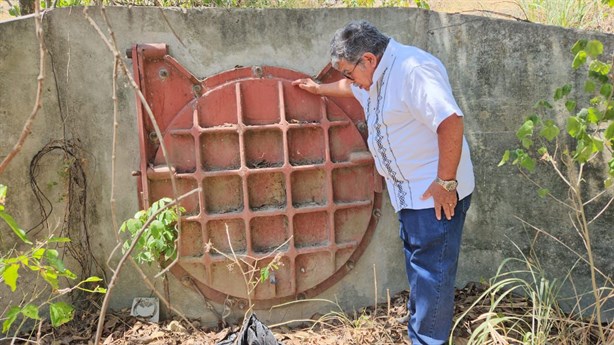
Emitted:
<point x="416" y="138"/>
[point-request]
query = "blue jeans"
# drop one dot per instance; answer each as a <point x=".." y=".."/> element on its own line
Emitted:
<point x="431" y="249"/>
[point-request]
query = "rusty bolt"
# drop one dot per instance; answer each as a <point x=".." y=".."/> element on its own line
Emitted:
<point x="350" y="265"/>
<point x="257" y="70"/>
<point x="196" y="90"/>
<point x="362" y="126"/>
<point x="377" y="213"/>
<point x="153" y="137"/>
<point x="163" y="73"/>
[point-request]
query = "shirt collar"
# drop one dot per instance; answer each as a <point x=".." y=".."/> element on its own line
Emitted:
<point x="386" y="60"/>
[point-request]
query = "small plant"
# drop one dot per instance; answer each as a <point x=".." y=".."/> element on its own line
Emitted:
<point x="157" y="244"/>
<point x="43" y="262"/>
<point x="590" y="131"/>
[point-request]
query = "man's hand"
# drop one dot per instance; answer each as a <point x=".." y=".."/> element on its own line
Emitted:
<point x="307" y="84"/>
<point x="443" y="200"/>
<point x="340" y="88"/>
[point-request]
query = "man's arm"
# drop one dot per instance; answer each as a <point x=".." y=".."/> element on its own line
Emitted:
<point x="339" y="88"/>
<point x="450" y="141"/>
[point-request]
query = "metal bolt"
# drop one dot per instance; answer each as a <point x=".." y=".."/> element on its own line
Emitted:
<point x="362" y="126"/>
<point x="136" y="173"/>
<point x="302" y="269"/>
<point x="301" y="296"/>
<point x="163" y="73"/>
<point x="257" y="70"/>
<point x="377" y="212"/>
<point x="350" y="265"/>
<point x="153" y="137"/>
<point x="196" y="90"/>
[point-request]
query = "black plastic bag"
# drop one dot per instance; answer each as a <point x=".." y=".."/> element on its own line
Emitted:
<point x="253" y="332"/>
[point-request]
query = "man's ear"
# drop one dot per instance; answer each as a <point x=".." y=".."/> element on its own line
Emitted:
<point x="370" y="59"/>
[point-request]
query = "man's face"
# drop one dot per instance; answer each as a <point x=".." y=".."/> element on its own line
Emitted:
<point x="360" y="72"/>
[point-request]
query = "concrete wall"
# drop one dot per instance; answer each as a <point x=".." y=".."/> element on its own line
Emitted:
<point x="498" y="70"/>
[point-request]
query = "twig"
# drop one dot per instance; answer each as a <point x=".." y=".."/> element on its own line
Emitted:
<point x="375" y="288"/>
<point x="602" y="211"/>
<point x="167" y="268"/>
<point x="563" y="244"/>
<point x="114" y="149"/>
<point x="498" y="14"/>
<point x="136" y="238"/>
<point x="20" y="339"/>
<point x="597" y="196"/>
<point x="38" y="104"/>
<point x="550" y="194"/>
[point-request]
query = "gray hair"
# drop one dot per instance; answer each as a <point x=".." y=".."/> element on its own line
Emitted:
<point x="355" y="39"/>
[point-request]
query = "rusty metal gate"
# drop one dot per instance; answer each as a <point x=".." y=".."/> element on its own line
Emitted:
<point x="281" y="171"/>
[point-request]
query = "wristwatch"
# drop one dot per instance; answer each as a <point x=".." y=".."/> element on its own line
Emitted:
<point x="448" y="185"/>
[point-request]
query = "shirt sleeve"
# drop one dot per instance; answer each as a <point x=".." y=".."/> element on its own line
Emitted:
<point x="428" y="95"/>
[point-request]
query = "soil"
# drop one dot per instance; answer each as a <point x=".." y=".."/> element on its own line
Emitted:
<point x="366" y="326"/>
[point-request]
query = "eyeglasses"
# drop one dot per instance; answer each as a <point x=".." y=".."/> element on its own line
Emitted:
<point x="348" y="75"/>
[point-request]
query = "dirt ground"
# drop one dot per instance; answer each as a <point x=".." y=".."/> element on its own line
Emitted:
<point x="367" y="326"/>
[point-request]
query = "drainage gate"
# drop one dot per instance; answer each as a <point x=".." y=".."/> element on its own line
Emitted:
<point x="283" y="173"/>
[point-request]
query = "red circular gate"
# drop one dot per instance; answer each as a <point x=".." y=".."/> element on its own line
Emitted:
<point x="283" y="173"/>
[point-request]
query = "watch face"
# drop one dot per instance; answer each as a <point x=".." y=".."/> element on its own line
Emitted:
<point x="448" y="185"/>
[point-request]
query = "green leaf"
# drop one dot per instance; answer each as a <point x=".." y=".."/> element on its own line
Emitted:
<point x="51" y="278"/>
<point x="264" y="274"/>
<point x="156" y="228"/>
<point x="543" y="192"/>
<point x="13" y="225"/>
<point x="599" y="68"/>
<point x="11" y="316"/>
<point x="594" y="48"/>
<point x="38" y="254"/>
<point x="526" y="130"/>
<point x="543" y="104"/>
<point x="59" y="240"/>
<point x="571" y="106"/>
<point x="609" y="114"/>
<point x="3" y="190"/>
<point x="10" y="275"/>
<point x="30" y="311"/>
<point x="562" y="92"/>
<point x="528" y="163"/>
<point x="527" y="143"/>
<point x="574" y="126"/>
<point x="606" y="90"/>
<point x="589" y="86"/>
<point x="609" y="181"/>
<point x="52" y="257"/>
<point x="542" y="150"/>
<point x="60" y="313"/>
<point x="609" y="132"/>
<point x="579" y="60"/>
<point x="594" y="115"/>
<point x="505" y="158"/>
<point x="550" y="130"/>
<point x="597" y="144"/>
<point x="578" y="46"/>
<point x="92" y="279"/>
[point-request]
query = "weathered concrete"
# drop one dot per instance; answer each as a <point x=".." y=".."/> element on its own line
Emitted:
<point x="498" y="69"/>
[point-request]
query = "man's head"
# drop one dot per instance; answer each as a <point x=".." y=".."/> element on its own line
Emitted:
<point x="355" y="51"/>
